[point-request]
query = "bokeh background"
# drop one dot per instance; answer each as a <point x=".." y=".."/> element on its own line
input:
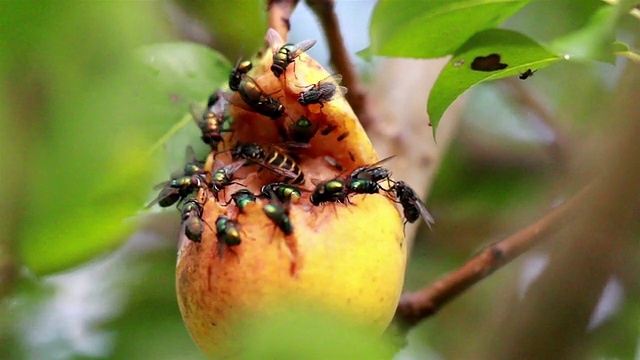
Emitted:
<point x="86" y="98"/>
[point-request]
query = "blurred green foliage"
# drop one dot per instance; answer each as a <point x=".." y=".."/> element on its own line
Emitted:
<point x="433" y="28"/>
<point x="89" y="90"/>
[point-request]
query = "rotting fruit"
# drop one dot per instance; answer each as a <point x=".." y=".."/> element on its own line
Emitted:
<point x="346" y="257"/>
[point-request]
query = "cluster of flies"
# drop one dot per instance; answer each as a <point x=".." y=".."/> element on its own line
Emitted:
<point x="214" y="122"/>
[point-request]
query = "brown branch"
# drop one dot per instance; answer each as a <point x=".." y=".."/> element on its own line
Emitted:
<point x="416" y="306"/>
<point x="357" y="95"/>
<point x="279" y="15"/>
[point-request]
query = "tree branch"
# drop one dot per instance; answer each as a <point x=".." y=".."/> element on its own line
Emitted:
<point x="279" y="15"/>
<point x="357" y="95"/>
<point x="416" y="306"/>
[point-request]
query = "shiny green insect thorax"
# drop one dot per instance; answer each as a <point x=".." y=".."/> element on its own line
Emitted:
<point x="302" y="130"/>
<point x="227" y="232"/>
<point x="242" y="198"/>
<point x="363" y="186"/>
<point x="279" y="216"/>
<point x="334" y="186"/>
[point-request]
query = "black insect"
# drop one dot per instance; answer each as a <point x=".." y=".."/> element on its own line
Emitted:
<point x="178" y="189"/>
<point x="212" y="120"/>
<point x="412" y="207"/>
<point x="325" y="90"/>
<point x="192" y="167"/>
<point x="302" y="130"/>
<point x="283" y="192"/>
<point x="488" y="63"/>
<point x="527" y="74"/>
<point x="285" y="54"/>
<point x="242" y="198"/>
<point x="235" y="79"/>
<point x="192" y="220"/>
<point x="273" y="159"/>
<point x="255" y="99"/>
<point x="278" y="212"/>
<point x="223" y="176"/>
<point x="227" y="233"/>
<point x="362" y="186"/>
<point x="329" y="191"/>
<point x="373" y="172"/>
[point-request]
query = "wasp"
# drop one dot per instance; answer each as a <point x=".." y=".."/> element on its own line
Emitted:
<point x="212" y="120"/>
<point x="243" y="197"/>
<point x="255" y="99"/>
<point x="235" y="79"/>
<point x="373" y="172"/>
<point x="276" y="161"/>
<point x="192" y="220"/>
<point x="325" y="90"/>
<point x="329" y="191"/>
<point x="178" y="189"/>
<point x="302" y="130"/>
<point x="223" y="176"/>
<point x="287" y="53"/>
<point x="528" y="73"/>
<point x="412" y="207"/>
<point x="227" y="234"/>
<point x="283" y="192"/>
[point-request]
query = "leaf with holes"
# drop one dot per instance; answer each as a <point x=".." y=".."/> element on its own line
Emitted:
<point x="433" y="28"/>
<point x="483" y="58"/>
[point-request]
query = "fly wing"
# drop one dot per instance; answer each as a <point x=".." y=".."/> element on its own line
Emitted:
<point x="280" y="171"/>
<point x="197" y="112"/>
<point x="424" y="213"/>
<point x="165" y="193"/>
<point x="274" y="39"/>
<point x="233" y="167"/>
<point x="237" y="101"/>
<point x="335" y="78"/>
<point x="381" y="161"/>
<point x="302" y="46"/>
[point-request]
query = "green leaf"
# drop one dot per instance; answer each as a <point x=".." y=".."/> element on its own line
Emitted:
<point x="72" y="98"/>
<point x="622" y="49"/>
<point x="516" y="50"/>
<point x="86" y="114"/>
<point x="433" y="28"/>
<point x="593" y="41"/>
<point x="179" y="74"/>
<point x="235" y="27"/>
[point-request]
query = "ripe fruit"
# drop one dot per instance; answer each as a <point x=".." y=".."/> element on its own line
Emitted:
<point x="344" y="259"/>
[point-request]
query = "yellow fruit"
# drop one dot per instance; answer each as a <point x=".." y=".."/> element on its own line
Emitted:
<point x="343" y="259"/>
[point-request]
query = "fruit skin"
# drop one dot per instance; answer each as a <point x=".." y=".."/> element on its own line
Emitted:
<point x="341" y="259"/>
<point x="352" y="261"/>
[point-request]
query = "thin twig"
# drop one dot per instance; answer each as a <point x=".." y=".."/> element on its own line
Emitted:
<point x="560" y="145"/>
<point x="419" y="305"/>
<point x="357" y="95"/>
<point x="279" y="15"/>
